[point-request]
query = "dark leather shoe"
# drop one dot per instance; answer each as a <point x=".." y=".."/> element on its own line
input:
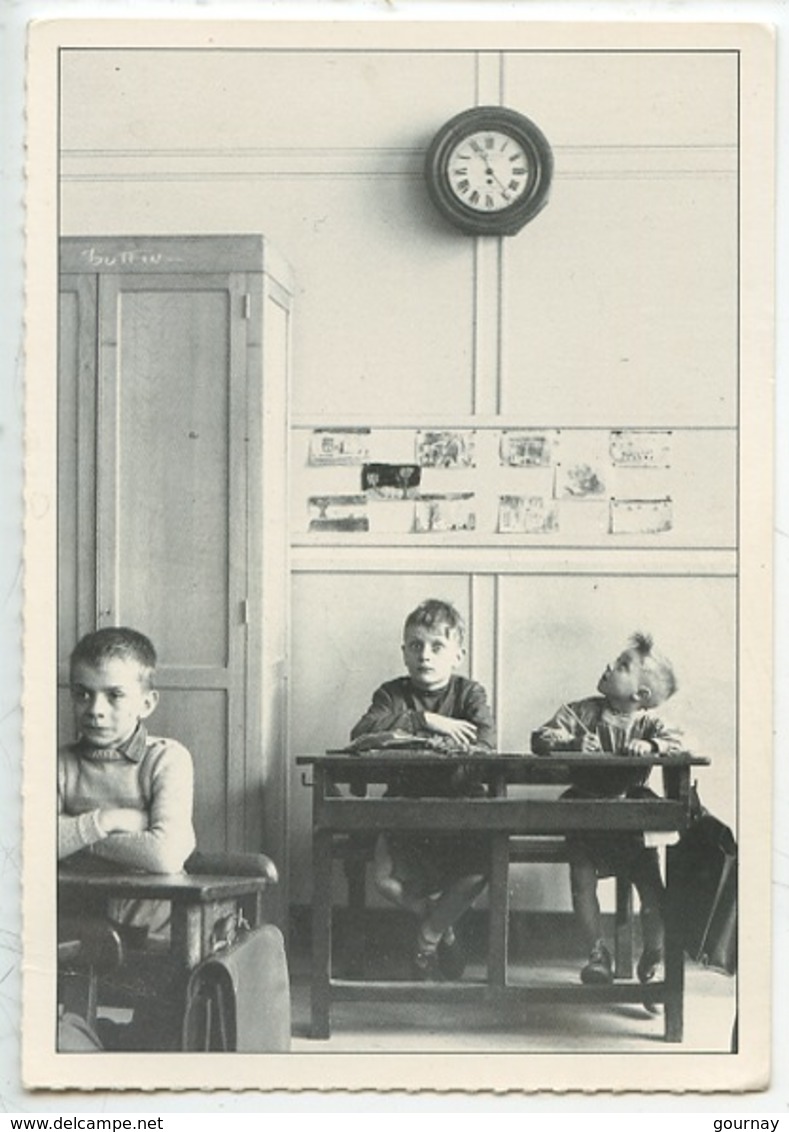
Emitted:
<point x="424" y="965"/>
<point x="451" y="958"/>
<point x="599" y="969"/>
<point x="650" y="969"/>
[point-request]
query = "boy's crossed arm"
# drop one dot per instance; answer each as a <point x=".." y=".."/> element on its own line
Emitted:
<point x="386" y="713"/>
<point x="158" y="840"/>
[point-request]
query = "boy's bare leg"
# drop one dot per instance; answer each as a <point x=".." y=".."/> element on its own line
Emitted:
<point x="437" y="949"/>
<point x="583" y="883"/>
<point x="390" y="887"/>
<point x="648" y="881"/>
<point x="450" y="906"/>
<point x="583" y="886"/>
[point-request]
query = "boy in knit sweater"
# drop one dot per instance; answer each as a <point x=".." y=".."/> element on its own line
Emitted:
<point x="124" y="797"/>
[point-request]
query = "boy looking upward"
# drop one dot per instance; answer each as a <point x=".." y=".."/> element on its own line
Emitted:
<point x="622" y="720"/>
<point x="434" y="876"/>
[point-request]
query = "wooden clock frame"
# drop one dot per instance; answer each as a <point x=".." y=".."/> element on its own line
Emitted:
<point x="506" y="221"/>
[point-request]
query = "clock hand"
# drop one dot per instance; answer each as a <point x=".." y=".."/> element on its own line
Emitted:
<point x="489" y="170"/>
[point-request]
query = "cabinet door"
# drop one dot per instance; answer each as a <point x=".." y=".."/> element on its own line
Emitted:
<point x="76" y="476"/>
<point x="171" y="505"/>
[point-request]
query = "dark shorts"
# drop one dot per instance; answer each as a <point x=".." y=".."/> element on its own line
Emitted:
<point x="427" y="864"/>
<point x="612" y="854"/>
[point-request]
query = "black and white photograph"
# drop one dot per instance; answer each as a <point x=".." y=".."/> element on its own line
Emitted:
<point x="401" y="397"/>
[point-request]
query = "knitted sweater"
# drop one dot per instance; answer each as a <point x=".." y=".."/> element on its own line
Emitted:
<point x="148" y="774"/>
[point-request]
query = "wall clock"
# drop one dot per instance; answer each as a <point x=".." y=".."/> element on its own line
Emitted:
<point x="488" y="171"/>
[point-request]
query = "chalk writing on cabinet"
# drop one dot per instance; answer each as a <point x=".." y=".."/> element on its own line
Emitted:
<point x="128" y="257"/>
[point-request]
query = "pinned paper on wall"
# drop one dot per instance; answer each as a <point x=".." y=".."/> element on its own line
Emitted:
<point x="338" y="513"/>
<point x="634" y="448"/>
<point x="580" y="480"/>
<point x="584" y="466"/>
<point x="391" y="481"/>
<point x="527" y="514"/>
<point x="445" y="449"/>
<point x="451" y="512"/>
<point x="641" y="516"/>
<point x="339" y="446"/>
<point x="520" y="449"/>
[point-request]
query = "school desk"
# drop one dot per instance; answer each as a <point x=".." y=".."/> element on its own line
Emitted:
<point x="502" y="817"/>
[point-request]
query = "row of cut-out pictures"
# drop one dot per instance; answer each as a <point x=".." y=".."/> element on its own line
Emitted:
<point x="517" y="514"/>
<point x="518" y="448"/>
<point x="584" y="479"/>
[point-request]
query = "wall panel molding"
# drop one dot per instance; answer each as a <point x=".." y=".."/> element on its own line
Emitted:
<point x="572" y="162"/>
<point x="505" y="561"/>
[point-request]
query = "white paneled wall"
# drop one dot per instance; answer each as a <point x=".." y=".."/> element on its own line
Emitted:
<point x="615" y="308"/>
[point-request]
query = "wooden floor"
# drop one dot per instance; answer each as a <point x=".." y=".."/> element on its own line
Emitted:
<point x="412" y="1027"/>
<point x="421" y="1027"/>
<point x="378" y="1027"/>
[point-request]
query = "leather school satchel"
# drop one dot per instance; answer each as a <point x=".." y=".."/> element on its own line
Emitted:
<point x="238" y="1000"/>
<point x="704" y="871"/>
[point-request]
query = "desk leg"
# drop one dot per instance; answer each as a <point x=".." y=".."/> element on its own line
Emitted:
<point x="321" y="933"/>
<point x="186" y="934"/>
<point x="675" y="962"/>
<point x="499" y="914"/>
<point x="623" y="938"/>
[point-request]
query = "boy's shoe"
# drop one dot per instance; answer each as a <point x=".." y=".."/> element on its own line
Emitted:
<point x="599" y="969"/>
<point x="451" y="956"/>
<point x="424" y="961"/>
<point x="424" y="966"/>
<point x="649" y="969"/>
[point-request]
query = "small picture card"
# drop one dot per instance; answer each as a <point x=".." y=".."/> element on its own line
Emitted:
<point x="338" y="513"/>
<point x="453" y="512"/>
<point x="527" y="514"/>
<point x="581" y="480"/>
<point x="633" y="448"/>
<point x="641" y="516"/>
<point x="528" y="449"/>
<point x="391" y="481"/>
<point x="339" y="446"/>
<point x="445" y="449"/>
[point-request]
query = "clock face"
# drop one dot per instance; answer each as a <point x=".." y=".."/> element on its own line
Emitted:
<point x="488" y="171"/>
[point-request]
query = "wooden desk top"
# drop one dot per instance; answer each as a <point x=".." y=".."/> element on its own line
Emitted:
<point x="399" y="756"/>
<point x="515" y="767"/>
<point x="181" y="888"/>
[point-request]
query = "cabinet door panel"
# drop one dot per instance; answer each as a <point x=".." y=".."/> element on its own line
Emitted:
<point x="76" y="461"/>
<point x="171" y="509"/>
<point x="207" y="715"/>
<point x="173" y="518"/>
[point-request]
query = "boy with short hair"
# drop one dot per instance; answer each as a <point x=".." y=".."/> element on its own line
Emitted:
<point x="622" y="720"/>
<point x="435" y="876"/>
<point x="124" y="797"/>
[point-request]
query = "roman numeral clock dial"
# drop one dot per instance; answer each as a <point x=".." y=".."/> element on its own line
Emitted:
<point x="488" y="171"/>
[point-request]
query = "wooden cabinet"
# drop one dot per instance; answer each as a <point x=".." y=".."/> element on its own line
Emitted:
<point x="173" y="369"/>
